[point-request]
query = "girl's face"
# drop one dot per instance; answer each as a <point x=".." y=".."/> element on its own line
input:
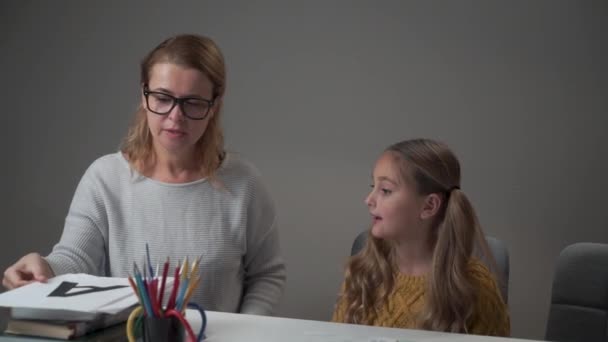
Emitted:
<point x="174" y="133"/>
<point x="394" y="204"/>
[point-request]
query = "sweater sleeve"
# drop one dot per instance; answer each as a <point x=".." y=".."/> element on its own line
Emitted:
<point x="81" y="248"/>
<point x="265" y="273"/>
<point x="491" y="316"/>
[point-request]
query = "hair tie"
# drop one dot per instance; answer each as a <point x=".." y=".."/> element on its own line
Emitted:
<point x="455" y="187"/>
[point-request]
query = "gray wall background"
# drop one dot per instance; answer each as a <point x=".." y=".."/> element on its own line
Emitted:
<point x="316" y="90"/>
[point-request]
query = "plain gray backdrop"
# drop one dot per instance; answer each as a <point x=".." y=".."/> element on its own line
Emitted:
<point x="316" y="90"/>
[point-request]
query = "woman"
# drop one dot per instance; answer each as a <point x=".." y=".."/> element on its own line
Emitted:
<point x="173" y="186"/>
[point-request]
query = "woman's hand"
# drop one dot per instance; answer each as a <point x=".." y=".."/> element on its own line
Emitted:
<point x="30" y="268"/>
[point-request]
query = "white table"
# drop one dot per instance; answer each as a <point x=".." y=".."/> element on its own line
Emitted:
<point x="227" y="327"/>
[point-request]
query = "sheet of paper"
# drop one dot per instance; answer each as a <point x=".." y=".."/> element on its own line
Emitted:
<point x="74" y="292"/>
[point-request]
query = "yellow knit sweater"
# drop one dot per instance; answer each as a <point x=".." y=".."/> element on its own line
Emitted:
<point x="490" y="316"/>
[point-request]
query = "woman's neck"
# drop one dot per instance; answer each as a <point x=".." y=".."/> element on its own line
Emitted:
<point x="175" y="168"/>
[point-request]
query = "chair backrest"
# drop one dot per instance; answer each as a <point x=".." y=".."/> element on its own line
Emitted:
<point x="501" y="255"/>
<point x="579" y="298"/>
<point x="359" y="243"/>
<point x="497" y="247"/>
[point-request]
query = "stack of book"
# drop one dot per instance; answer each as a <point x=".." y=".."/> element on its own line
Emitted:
<point x="31" y="322"/>
<point x="71" y="306"/>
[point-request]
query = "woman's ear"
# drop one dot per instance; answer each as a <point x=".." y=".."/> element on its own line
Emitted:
<point x="431" y="206"/>
<point x="143" y="97"/>
<point x="217" y="104"/>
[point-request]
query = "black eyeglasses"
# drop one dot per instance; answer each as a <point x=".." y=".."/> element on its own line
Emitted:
<point x="192" y="107"/>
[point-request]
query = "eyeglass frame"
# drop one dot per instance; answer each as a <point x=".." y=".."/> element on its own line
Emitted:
<point x="176" y="101"/>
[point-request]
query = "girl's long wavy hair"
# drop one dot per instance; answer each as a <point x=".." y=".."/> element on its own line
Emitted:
<point x="189" y="51"/>
<point x="370" y="275"/>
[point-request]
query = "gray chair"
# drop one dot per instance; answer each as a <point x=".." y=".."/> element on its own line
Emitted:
<point x="579" y="299"/>
<point x="501" y="255"/>
<point x="497" y="247"/>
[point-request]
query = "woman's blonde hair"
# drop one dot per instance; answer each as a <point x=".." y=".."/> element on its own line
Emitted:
<point x="369" y="280"/>
<point x="189" y="51"/>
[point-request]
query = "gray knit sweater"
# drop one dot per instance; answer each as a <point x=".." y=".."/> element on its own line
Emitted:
<point x="115" y="211"/>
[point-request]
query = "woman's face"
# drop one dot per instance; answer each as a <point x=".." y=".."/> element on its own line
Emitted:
<point x="174" y="134"/>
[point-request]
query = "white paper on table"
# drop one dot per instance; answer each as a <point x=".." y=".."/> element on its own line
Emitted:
<point x="89" y="295"/>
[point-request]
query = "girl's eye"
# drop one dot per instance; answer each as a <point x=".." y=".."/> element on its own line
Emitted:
<point x="386" y="191"/>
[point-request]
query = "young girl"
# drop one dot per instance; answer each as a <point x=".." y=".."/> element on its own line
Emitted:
<point x="417" y="269"/>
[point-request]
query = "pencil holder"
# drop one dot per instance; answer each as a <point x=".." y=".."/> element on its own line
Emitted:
<point x="162" y="330"/>
<point x="152" y="320"/>
<point x="171" y="326"/>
